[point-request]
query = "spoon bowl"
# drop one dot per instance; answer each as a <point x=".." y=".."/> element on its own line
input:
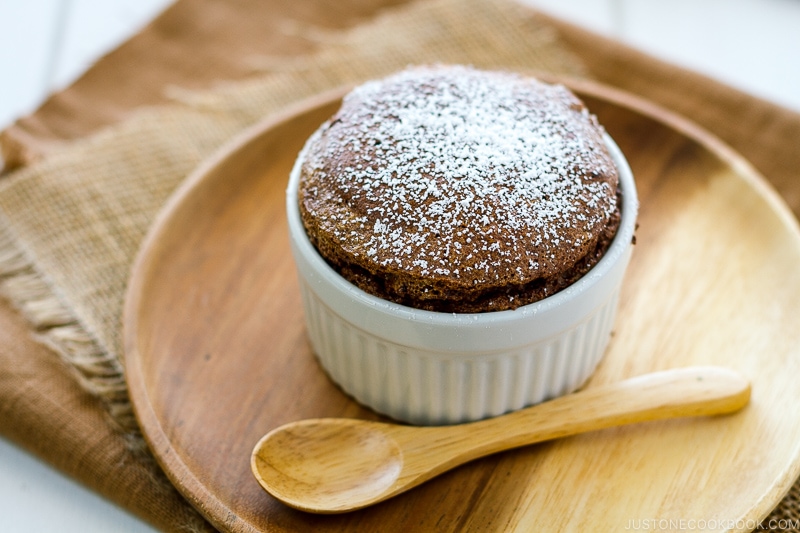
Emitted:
<point x="334" y="465"/>
<point x="325" y="452"/>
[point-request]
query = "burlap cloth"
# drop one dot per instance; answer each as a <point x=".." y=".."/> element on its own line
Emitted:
<point x="89" y="170"/>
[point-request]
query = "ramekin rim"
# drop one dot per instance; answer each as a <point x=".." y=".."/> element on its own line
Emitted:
<point x="616" y="252"/>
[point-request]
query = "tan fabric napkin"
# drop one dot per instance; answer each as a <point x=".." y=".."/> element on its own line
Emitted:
<point x="72" y="221"/>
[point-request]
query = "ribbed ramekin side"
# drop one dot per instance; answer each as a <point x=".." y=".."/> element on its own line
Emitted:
<point x="425" y="387"/>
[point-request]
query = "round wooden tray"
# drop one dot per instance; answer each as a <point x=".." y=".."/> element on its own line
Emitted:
<point x="216" y="351"/>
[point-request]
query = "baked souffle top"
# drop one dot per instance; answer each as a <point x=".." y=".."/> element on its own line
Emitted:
<point x="454" y="189"/>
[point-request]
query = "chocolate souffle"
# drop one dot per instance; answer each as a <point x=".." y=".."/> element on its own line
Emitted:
<point x="457" y="190"/>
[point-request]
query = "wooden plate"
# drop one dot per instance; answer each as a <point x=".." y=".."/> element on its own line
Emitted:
<point x="217" y="353"/>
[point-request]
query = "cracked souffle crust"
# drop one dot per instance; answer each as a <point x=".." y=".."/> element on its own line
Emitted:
<point x="459" y="190"/>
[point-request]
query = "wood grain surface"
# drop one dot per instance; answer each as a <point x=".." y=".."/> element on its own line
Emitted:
<point x="217" y="356"/>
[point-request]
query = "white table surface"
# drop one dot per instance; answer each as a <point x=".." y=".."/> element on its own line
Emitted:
<point x="750" y="44"/>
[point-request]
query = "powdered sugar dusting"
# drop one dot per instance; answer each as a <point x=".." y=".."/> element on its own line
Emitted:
<point x="453" y="172"/>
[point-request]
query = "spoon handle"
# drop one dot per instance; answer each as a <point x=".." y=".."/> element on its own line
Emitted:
<point x="693" y="391"/>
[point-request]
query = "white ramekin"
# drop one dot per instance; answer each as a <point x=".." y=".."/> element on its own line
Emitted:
<point x="425" y="367"/>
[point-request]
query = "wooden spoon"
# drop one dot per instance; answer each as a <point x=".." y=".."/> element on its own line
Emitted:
<point x="333" y="465"/>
